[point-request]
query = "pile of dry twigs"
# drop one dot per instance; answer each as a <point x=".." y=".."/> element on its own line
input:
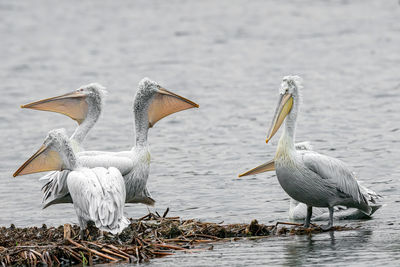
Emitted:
<point x="146" y="238"/>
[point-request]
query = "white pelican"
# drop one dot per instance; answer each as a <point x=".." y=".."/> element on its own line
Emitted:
<point x="98" y="193"/>
<point x="307" y="176"/>
<point x="151" y="103"/>
<point x="298" y="210"/>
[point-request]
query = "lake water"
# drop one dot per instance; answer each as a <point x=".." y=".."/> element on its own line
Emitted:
<point x="230" y="57"/>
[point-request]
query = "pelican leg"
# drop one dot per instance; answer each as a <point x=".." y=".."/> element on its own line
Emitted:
<point x="308" y="218"/>
<point x="330" y="224"/>
<point x="82" y="234"/>
<point x="82" y="226"/>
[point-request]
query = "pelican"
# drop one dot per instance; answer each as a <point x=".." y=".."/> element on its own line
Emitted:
<point x="151" y="103"/>
<point x="307" y="176"/>
<point x="298" y="210"/>
<point x="98" y="193"/>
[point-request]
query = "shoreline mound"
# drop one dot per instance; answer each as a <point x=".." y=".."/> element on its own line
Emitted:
<point x="148" y="237"/>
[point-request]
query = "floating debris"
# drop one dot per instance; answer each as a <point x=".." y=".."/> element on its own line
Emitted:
<point x="148" y="237"/>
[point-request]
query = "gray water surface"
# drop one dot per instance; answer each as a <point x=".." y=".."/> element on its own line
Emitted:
<point x="230" y="57"/>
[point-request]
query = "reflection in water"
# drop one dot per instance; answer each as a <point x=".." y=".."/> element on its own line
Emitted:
<point x="325" y="247"/>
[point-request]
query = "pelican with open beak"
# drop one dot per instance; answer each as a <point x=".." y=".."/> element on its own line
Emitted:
<point x="307" y="176"/>
<point x="83" y="105"/>
<point x="98" y="194"/>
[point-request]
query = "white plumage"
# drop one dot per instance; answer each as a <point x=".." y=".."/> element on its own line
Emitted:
<point x="98" y="193"/>
<point x="88" y="100"/>
<point x="309" y="177"/>
<point x="99" y="196"/>
<point x="298" y="210"/>
<point x="151" y="103"/>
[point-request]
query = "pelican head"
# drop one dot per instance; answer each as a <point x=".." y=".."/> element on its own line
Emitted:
<point x="55" y="154"/>
<point x="87" y="101"/>
<point x="157" y="102"/>
<point x="289" y="97"/>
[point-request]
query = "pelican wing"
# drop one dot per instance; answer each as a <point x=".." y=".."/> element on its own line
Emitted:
<point x="92" y="153"/>
<point x="306" y="145"/>
<point x="141" y="196"/>
<point x="86" y="193"/>
<point x="337" y="174"/>
<point x="55" y="191"/>
<point x="99" y="195"/>
<point x="107" y="153"/>
<point x="369" y="194"/>
<point x="111" y="210"/>
<point x="123" y="164"/>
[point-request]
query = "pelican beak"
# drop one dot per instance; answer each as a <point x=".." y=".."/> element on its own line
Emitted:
<point x="268" y="166"/>
<point x="165" y="103"/>
<point x="72" y="104"/>
<point x="43" y="160"/>
<point x="282" y="110"/>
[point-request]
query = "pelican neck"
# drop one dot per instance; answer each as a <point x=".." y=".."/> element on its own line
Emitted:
<point x="286" y="145"/>
<point x="83" y="129"/>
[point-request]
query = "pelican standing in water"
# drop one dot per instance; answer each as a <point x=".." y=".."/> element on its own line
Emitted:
<point x="298" y="210"/>
<point x="307" y="176"/>
<point x="151" y="103"/>
<point x="98" y="193"/>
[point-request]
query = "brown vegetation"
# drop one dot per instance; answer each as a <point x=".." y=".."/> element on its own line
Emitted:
<point x="148" y="237"/>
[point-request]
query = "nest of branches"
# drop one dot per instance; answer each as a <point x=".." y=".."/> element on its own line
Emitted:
<point x="148" y="237"/>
